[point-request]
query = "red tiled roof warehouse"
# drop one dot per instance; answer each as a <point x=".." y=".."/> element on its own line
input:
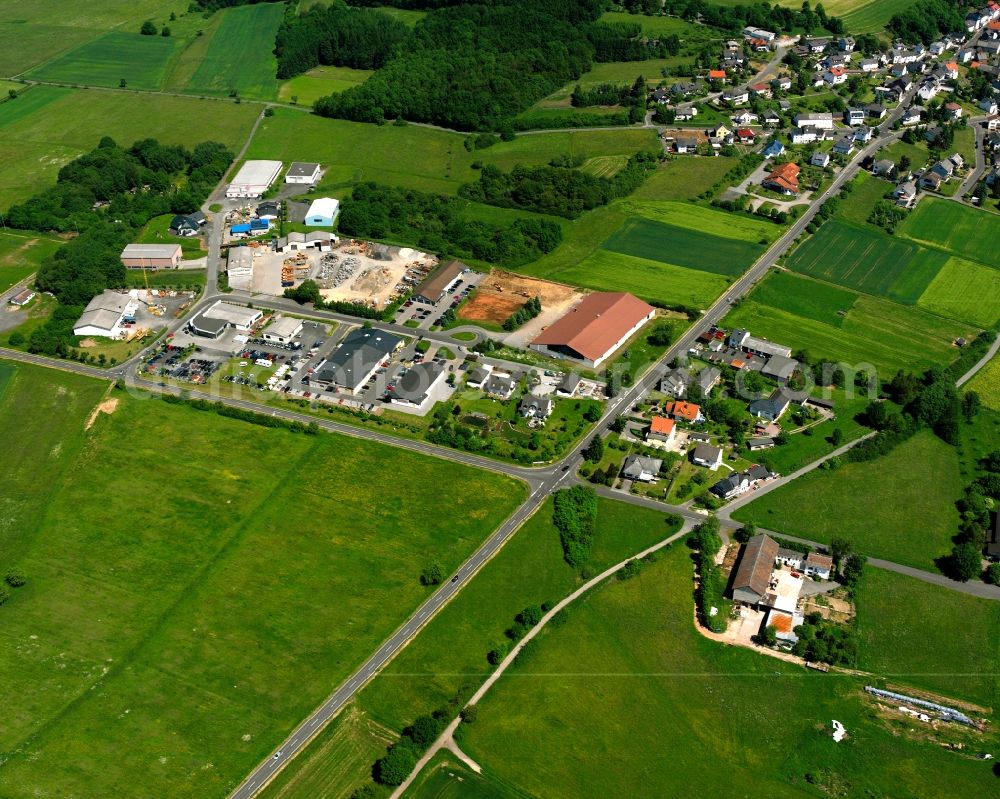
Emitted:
<point x="593" y="329"/>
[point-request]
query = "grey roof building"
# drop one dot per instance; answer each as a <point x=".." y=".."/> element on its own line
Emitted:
<point x="753" y="574"/>
<point x="779" y="367"/>
<point x="413" y="387"/>
<point x="357" y="358"/>
<point x="639" y="467"/>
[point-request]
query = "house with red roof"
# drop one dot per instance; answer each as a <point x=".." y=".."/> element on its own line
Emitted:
<point x="783" y="179"/>
<point x="745" y="136"/>
<point x="684" y="411"/>
<point x="717" y="74"/>
<point x="662" y="431"/>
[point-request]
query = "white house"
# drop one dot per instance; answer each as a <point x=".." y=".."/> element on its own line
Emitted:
<point x="823" y="121"/>
<point x="322" y="212"/>
<point x="820" y="159"/>
<point x="638" y="467"/>
<point x="708" y="456"/>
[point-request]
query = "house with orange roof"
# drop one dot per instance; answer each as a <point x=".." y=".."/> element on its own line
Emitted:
<point x="662" y="431"/>
<point x="717" y="74"/>
<point x="783" y="179"/>
<point x="684" y="411"/>
<point x="952" y="70"/>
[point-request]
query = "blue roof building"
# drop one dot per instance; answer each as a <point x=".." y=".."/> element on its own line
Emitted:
<point x="774" y="149"/>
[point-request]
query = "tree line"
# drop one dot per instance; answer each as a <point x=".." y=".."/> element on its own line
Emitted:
<point x="574" y="515"/>
<point x="557" y="189"/>
<point x="524" y="314"/>
<point x="707" y="542"/>
<point x="733" y="18"/>
<point x="436" y="223"/>
<point x="106" y="196"/>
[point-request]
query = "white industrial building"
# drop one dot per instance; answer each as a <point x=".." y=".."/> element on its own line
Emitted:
<point x="105" y="315"/>
<point x="254" y="178"/>
<point x="322" y="212"/>
<point x="240" y="268"/>
<point x="302" y="172"/>
<point x="283" y="330"/>
<point x="313" y="240"/>
<point x="215" y="320"/>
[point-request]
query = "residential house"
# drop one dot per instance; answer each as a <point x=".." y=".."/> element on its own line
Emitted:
<point x="685" y="146"/>
<point x="662" y="431"/>
<point x="835" y="76"/>
<point x="641" y="468"/>
<point x="806" y="135"/>
<point x="774" y="149"/>
<point x="782" y="83"/>
<point x="708" y="456"/>
<point x="707" y="379"/>
<point x="720" y="131"/>
<point x="816" y="45"/>
<point x="745" y="136"/>
<point x="912" y="117"/>
<point x="717" y="74"/>
<point x="536" y="408"/>
<point x="863" y="135"/>
<point x="905" y="194"/>
<point x="988" y="106"/>
<point x="854" y="116"/>
<point x="770" y="118"/>
<point x="783" y="179"/>
<point x="569" y="385"/>
<point x="762" y="90"/>
<point x="772" y="408"/>
<point x="875" y="111"/>
<point x="868" y="65"/>
<point x="187" y="224"/>
<point x="477" y="377"/>
<point x="954" y="110"/>
<point x="685" y="113"/>
<point x="684" y="411"/>
<point x="820" y="159"/>
<point x="744" y="118"/>
<point x="818" y="565"/>
<point x="736" y="96"/>
<point x="884" y="168"/>
<point x="762" y="442"/>
<point x="844" y="146"/>
<point x="943" y="169"/>
<point x="928" y="90"/>
<point x="738" y="483"/>
<point x="846" y="44"/>
<point x="660" y="96"/>
<point x="951" y="70"/>
<point x="500" y="385"/>
<point x="675" y="382"/>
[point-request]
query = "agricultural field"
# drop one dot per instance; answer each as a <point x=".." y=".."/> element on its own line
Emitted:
<point x="683" y="179"/>
<point x="21" y="253"/>
<point x="705" y="220"/>
<point x="907" y="632"/>
<point x="604" y="166"/>
<point x="818" y="301"/>
<point x="604" y="270"/>
<point x="625" y="698"/>
<point x="68" y="122"/>
<point x="884" y="334"/>
<point x="987" y="384"/>
<point x="860" y="16"/>
<point x="239" y="56"/>
<point x="307" y="88"/>
<point x="900" y="507"/>
<point x="141" y="61"/>
<point x="445" y="777"/>
<point x="133" y="656"/>
<point x="954" y="227"/>
<point x="964" y="290"/>
<point x="867" y="260"/>
<point x="448" y="658"/>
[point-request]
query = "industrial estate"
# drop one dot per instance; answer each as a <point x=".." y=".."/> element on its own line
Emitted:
<point x="580" y="398"/>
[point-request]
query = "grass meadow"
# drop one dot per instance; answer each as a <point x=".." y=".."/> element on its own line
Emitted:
<point x="307" y="88"/>
<point x="21" y="253"/>
<point x="239" y="56"/>
<point x="448" y="657"/>
<point x="987" y="384"/>
<point x="67" y="123"/>
<point x="900" y="507"/>
<point x="683" y="179"/>
<point x="141" y="61"/>
<point x="908" y="633"/>
<point x="965" y="290"/>
<point x="705" y="220"/>
<point x="625" y="698"/>
<point x="176" y="625"/>
<point x="959" y="229"/>
<point x="157" y="231"/>
<point x="810" y="299"/>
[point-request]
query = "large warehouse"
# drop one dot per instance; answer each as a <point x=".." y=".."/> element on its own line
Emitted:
<point x="213" y="321"/>
<point x="254" y="178"/>
<point x="105" y="315"/>
<point x="594" y="328"/>
<point x="357" y="358"/>
<point x="322" y="212"/>
<point x="437" y="285"/>
<point x="151" y="256"/>
<point x="239" y="268"/>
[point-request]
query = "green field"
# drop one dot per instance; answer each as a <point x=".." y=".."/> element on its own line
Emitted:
<point x="964" y="290"/>
<point x="157" y="231"/>
<point x="867" y="260"/>
<point x="908" y="633"/>
<point x="176" y="625"/>
<point x="604" y="166"/>
<point x="307" y="88"/>
<point x="812" y="299"/>
<point x="141" y="60"/>
<point x="878" y="332"/>
<point x="857" y="206"/>
<point x="860" y="16"/>
<point x="652" y="280"/>
<point x="29" y="103"/>
<point x="448" y="658"/>
<point x="987" y="384"/>
<point x="447" y="778"/>
<point x="21" y="253"/>
<point x="626" y="699"/>
<point x="951" y="226"/>
<point x="33" y="147"/>
<point x="239" y="56"/>
<point x="683" y="178"/>
<point x="900" y="507"/>
<point x="683" y="246"/>
<point x="705" y="220"/>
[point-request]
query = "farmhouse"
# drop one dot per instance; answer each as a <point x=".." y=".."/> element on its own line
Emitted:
<point x="215" y="320"/>
<point x="283" y="330"/>
<point x="661" y="431"/>
<point x="253" y="179"/>
<point x="752" y="579"/>
<point x="783" y="179"/>
<point x="105" y="315"/>
<point x="708" y="456"/>
<point x="357" y="358"/>
<point x="534" y="407"/>
<point x="151" y="256"/>
<point x="592" y="330"/>
<point x="302" y="172"/>
<point x="437" y="285"/>
<point x="414" y="388"/>
<point x="239" y="268"/>
<point x="322" y="212"/>
<point x="638" y="467"/>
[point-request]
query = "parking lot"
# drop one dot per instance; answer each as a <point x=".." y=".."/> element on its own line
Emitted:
<point x="426" y="315"/>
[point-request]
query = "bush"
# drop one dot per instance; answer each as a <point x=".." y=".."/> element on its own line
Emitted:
<point x="4" y="595"/>
<point x="432" y="575"/>
<point x="574" y="515"/>
<point x="15" y="579"/>
<point x="148" y="28"/>
<point x="470" y="714"/>
<point x="396" y="766"/>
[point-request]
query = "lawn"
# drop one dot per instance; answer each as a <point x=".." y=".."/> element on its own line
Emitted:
<point x="649" y="279"/>
<point x="445" y="777"/>
<point x="626" y="699"/>
<point x="922" y="635"/>
<point x="867" y="260"/>
<point x="157" y="231"/>
<point x="140" y="60"/>
<point x="683" y="178"/>
<point x="857" y="206"/>
<point x="809" y="298"/>
<point x="900" y="507"/>
<point x="957" y="228"/>
<point x="448" y="657"/>
<point x="987" y="384"/>
<point x="683" y="246"/>
<point x="307" y="88"/>
<point x="21" y="253"/>
<point x="240" y="56"/>
<point x="134" y="656"/>
<point x="966" y="291"/>
<point x="31" y="101"/>
<point x="35" y="146"/>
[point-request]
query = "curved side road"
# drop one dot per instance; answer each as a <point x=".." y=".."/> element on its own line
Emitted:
<point x="449" y="732"/>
